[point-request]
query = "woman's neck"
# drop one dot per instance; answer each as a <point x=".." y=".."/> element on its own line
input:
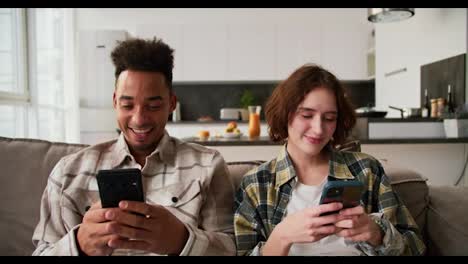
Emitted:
<point x="310" y="170"/>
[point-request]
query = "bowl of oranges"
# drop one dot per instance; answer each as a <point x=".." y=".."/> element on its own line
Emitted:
<point x="232" y="131"/>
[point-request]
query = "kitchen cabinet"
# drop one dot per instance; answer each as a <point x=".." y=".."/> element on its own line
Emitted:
<point x="205" y="52"/>
<point x="344" y="50"/>
<point x="296" y="48"/>
<point x="397" y="69"/>
<point x="258" y="52"/>
<point x="96" y="84"/>
<point x="251" y="52"/>
<point x="96" y="71"/>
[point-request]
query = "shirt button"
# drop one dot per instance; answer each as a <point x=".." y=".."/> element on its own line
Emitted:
<point x="175" y="199"/>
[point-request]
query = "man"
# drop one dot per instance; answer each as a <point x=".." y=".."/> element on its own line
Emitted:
<point x="188" y="192"/>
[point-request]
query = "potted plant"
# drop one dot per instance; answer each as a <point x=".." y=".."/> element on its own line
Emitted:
<point x="246" y="100"/>
<point x="456" y="123"/>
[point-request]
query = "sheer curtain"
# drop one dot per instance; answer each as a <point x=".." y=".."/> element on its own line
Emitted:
<point x="49" y="107"/>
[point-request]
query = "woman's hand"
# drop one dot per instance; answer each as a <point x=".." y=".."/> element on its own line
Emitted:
<point x="359" y="226"/>
<point x="304" y="226"/>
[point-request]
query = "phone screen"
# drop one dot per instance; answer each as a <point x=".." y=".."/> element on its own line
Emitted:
<point x="119" y="184"/>
<point x="348" y="195"/>
<point x="346" y="192"/>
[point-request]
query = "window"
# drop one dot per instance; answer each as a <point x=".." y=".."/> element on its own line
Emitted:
<point x="36" y="89"/>
<point x="12" y="54"/>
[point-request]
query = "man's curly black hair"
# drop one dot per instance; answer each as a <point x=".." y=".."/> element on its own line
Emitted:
<point x="144" y="55"/>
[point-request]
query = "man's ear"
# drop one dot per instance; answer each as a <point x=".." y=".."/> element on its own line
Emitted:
<point x="114" y="100"/>
<point x="173" y="102"/>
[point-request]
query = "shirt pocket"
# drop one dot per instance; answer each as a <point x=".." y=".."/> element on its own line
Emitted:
<point x="183" y="199"/>
<point x="175" y="195"/>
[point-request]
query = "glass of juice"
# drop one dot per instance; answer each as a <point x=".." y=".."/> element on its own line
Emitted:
<point x="254" y="121"/>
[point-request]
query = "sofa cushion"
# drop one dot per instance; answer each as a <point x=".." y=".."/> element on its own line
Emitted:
<point x="448" y="221"/>
<point x="238" y="169"/>
<point x="25" y="165"/>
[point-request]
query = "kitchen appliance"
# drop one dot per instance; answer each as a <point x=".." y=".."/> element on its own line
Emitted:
<point x="370" y="112"/>
<point x="408" y="111"/>
<point x="234" y="114"/>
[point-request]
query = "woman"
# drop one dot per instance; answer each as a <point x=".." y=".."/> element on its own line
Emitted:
<point x="277" y="204"/>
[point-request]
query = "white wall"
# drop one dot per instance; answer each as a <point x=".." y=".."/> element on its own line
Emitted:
<point x="432" y="34"/>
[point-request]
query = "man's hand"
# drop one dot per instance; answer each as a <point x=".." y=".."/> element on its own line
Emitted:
<point x="155" y="230"/>
<point x="359" y="227"/>
<point x="93" y="234"/>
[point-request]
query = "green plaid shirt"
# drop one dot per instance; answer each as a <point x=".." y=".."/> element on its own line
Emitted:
<point x="264" y="193"/>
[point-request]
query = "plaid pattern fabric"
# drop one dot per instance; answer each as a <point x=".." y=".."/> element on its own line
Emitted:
<point x="191" y="181"/>
<point x="260" y="203"/>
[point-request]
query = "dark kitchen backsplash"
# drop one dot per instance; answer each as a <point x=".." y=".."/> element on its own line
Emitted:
<point x="207" y="98"/>
<point x="436" y="76"/>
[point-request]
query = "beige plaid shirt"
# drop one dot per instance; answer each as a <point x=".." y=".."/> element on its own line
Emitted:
<point x="197" y="176"/>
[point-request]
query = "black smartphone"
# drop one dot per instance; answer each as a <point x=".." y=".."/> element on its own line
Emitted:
<point x="346" y="192"/>
<point x="119" y="184"/>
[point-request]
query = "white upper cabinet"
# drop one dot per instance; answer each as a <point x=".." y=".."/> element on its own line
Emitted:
<point x="96" y="70"/>
<point x="251" y="52"/>
<point x="297" y="45"/>
<point x="205" y="49"/>
<point x="236" y="45"/>
<point x="344" y="50"/>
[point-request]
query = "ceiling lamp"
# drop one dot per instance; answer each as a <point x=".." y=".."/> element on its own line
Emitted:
<point x="384" y="15"/>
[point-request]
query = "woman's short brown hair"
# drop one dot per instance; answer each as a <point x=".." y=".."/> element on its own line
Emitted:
<point x="287" y="96"/>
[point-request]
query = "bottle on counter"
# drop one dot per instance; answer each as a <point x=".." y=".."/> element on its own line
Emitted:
<point x="450" y="108"/>
<point x="440" y="106"/>
<point x="434" y="110"/>
<point x="426" y="110"/>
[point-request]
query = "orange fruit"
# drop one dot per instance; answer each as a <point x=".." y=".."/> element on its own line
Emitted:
<point x="232" y="125"/>
<point x="204" y="134"/>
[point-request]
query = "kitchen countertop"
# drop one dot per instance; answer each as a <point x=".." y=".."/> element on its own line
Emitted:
<point x="406" y="120"/>
<point x="242" y="141"/>
<point x="265" y="141"/>
<point x="414" y="141"/>
<point x="210" y="122"/>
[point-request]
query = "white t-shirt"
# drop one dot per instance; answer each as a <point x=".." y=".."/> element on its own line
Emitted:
<point x="304" y="196"/>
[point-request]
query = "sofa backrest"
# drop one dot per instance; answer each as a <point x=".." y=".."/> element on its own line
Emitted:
<point x="26" y="163"/>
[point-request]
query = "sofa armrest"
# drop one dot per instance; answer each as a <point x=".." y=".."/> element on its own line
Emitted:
<point x="447" y="221"/>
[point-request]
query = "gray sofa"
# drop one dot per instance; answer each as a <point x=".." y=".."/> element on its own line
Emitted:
<point x="441" y="212"/>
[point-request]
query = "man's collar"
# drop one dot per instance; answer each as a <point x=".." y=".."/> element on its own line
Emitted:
<point x="285" y="171"/>
<point x="165" y="150"/>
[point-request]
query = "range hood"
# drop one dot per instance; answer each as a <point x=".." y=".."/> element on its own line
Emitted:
<point x="384" y="15"/>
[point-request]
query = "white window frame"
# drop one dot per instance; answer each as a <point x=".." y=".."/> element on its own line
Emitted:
<point x="25" y="97"/>
<point x="21" y="62"/>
